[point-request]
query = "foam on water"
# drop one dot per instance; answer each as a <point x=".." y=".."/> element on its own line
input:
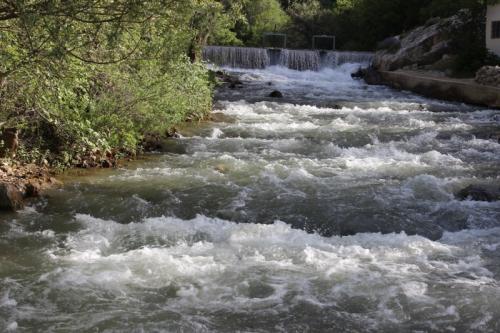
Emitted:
<point x="213" y="266"/>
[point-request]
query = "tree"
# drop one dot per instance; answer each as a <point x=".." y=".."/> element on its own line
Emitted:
<point x="261" y="16"/>
<point x="76" y="75"/>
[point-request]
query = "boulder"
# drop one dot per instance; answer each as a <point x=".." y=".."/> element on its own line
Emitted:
<point x="488" y="193"/>
<point x="370" y="75"/>
<point x="32" y="189"/>
<point x="276" y="94"/>
<point x="11" y="198"/>
<point x="423" y="46"/>
<point x="489" y="76"/>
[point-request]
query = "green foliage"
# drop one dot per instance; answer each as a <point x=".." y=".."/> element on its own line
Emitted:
<point x="260" y="16"/>
<point x="309" y="18"/>
<point x="86" y="75"/>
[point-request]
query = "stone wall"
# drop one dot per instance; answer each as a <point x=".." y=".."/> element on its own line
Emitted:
<point x="466" y="91"/>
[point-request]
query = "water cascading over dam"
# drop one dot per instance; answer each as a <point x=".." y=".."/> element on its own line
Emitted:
<point x="302" y="60"/>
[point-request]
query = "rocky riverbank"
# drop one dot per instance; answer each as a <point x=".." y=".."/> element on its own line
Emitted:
<point x="19" y="182"/>
<point x="426" y="61"/>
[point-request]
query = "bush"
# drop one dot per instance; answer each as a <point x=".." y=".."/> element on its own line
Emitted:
<point x="88" y="76"/>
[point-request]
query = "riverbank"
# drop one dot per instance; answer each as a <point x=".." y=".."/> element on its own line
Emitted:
<point x="450" y="89"/>
<point x="19" y="182"/>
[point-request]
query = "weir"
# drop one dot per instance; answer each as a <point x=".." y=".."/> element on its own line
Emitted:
<point x="260" y="58"/>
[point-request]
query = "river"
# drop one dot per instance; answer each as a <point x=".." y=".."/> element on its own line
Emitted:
<point x="331" y="210"/>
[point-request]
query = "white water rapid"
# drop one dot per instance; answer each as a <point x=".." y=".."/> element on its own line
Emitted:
<point x="330" y="210"/>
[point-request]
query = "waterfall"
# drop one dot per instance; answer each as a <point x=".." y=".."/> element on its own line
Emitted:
<point x="237" y="57"/>
<point x="301" y="60"/>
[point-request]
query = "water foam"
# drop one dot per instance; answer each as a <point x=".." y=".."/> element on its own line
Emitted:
<point x="217" y="266"/>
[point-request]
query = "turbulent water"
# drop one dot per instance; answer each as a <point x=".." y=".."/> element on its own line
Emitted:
<point x="332" y="210"/>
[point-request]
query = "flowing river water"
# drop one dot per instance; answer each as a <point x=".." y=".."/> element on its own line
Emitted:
<point x="331" y="210"/>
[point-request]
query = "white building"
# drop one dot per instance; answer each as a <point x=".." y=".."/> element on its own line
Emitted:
<point x="493" y="29"/>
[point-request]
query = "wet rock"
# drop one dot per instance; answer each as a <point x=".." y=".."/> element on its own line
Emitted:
<point x="276" y="94"/>
<point x="106" y="164"/>
<point x="359" y="74"/>
<point x="370" y="75"/>
<point x="32" y="189"/>
<point x="11" y="198"/>
<point x="488" y="193"/>
<point x="235" y="84"/>
<point x="233" y="81"/>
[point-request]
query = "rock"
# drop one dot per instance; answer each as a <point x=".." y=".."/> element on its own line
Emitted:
<point x="276" y="94"/>
<point x="370" y="75"/>
<point x="150" y="142"/>
<point x="233" y="81"/>
<point x="11" y="199"/>
<point x="480" y="193"/>
<point x="221" y="168"/>
<point x="172" y="133"/>
<point x="423" y="46"/>
<point x="488" y="76"/>
<point x="359" y="74"/>
<point x="106" y="164"/>
<point x="6" y="168"/>
<point x="32" y="190"/>
<point x="392" y="44"/>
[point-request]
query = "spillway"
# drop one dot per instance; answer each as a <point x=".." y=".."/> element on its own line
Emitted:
<point x="302" y="60"/>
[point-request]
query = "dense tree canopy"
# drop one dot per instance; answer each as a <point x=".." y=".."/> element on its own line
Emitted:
<point x="99" y="74"/>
